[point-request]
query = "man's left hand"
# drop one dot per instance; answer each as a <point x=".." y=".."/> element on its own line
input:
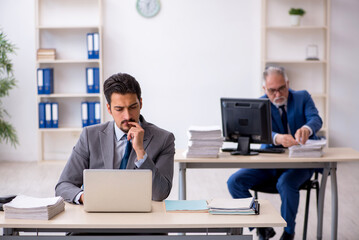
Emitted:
<point x="136" y="133"/>
<point x="302" y="135"/>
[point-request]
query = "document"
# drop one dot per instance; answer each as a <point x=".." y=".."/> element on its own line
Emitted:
<point x="186" y="205"/>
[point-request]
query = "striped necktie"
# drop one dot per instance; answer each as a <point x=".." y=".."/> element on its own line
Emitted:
<point x="126" y="155"/>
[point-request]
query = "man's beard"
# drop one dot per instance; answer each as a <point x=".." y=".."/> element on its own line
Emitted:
<point x="279" y="101"/>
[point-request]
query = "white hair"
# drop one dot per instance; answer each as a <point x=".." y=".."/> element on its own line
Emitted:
<point x="274" y="69"/>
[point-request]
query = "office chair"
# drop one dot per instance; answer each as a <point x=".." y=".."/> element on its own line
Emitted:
<point x="270" y="187"/>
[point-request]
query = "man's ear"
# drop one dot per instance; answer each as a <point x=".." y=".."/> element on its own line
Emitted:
<point x="141" y="103"/>
<point x="108" y="108"/>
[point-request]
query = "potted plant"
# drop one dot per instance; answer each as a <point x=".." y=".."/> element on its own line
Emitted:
<point x="296" y="14"/>
<point x="7" y="82"/>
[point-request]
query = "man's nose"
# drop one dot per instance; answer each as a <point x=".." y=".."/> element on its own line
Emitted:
<point x="126" y="114"/>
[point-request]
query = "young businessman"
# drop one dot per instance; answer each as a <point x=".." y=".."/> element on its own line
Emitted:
<point x="294" y="120"/>
<point x="104" y="146"/>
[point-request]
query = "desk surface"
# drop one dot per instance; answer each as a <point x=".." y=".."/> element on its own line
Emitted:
<point x="75" y="217"/>
<point x="330" y="155"/>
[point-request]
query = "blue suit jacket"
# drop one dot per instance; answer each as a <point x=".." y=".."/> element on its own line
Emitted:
<point x="301" y="111"/>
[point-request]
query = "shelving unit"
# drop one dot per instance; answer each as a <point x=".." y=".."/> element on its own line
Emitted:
<point x="285" y="45"/>
<point x="63" y="25"/>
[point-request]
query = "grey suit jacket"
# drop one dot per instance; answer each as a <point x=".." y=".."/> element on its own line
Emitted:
<point x="95" y="150"/>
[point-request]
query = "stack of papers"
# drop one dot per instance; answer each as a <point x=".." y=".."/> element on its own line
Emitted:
<point x="46" y="54"/>
<point x="234" y="206"/>
<point x="24" y="207"/>
<point x="311" y="149"/>
<point x="204" y="141"/>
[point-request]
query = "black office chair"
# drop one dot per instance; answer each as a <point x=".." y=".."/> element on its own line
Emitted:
<point x="270" y="187"/>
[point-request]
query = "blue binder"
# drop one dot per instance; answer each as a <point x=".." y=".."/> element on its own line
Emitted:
<point x="90" y="51"/>
<point x="48" y="115"/>
<point x="42" y="115"/>
<point x="84" y="114"/>
<point x="91" y="113"/>
<point x="48" y="77"/>
<point x="96" y="45"/>
<point x="96" y="77"/>
<point x="90" y="82"/>
<point x="40" y="81"/>
<point x="55" y="114"/>
<point x="97" y="112"/>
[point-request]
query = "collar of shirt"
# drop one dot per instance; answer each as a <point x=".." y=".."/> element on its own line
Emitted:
<point x="119" y="133"/>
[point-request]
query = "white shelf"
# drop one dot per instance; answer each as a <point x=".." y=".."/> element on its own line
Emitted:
<point x="69" y="95"/>
<point x="67" y="27"/>
<point x="69" y="61"/>
<point x="296" y="61"/>
<point x="296" y="28"/>
<point x="68" y="129"/>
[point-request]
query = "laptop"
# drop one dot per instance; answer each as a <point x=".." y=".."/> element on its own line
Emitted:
<point x="115" y="190"/>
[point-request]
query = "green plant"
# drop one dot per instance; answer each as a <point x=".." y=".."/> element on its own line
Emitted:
<point x="296" y="11"/>
<point x="7" y="82"/>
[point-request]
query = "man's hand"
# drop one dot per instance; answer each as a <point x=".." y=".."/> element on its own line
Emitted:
<point x="286" y="140"/>
<point x="81" y="200"/>
<point x="302" y="135"/>
<point x="136" y="133"/>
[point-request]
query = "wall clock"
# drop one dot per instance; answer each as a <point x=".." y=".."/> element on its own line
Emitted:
<point x="148" y="8"/>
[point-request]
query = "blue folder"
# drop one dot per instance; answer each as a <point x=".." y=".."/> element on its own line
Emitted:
<point x="90" y="52"/>
<point x="96" y="45"/>
<point x="84" y="114"/>
<point x="48" y="77"/>
<point x="40" y="81"/>
<point x="48" y="115"/>
<point x="55" y="114"/>
<point x="91" y="113"/>
<point x="97" y="112"/>
<point x="42" y="115"/>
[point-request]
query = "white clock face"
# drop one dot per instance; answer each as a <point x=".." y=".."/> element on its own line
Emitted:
<point x="148" y="8"/>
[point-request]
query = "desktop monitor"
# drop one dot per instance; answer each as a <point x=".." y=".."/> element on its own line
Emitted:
<point x="246" y="121"/>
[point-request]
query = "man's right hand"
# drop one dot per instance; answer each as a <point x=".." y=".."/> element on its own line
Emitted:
<point x="81" y="200"/>
<point x="286" y="140"/>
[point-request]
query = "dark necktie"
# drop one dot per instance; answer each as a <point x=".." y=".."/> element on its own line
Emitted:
<point x="126" y="155"/>
<point x="284" y="119"/>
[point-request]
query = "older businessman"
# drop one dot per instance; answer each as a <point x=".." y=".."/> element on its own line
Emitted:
<point x="127" y="142"/>
<point x="294" y="119"/>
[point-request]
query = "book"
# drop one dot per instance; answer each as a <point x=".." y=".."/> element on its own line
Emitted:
<point x="40" y="81"/>
<point x="96" y="45"/>
<point x="91" y="113"/>
<point x="97" y="113"/>
<point x="186" y="205"/>
<point x="25" y="207"/>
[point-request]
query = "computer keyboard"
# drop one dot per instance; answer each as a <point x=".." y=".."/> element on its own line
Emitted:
<point x="266" y="150"/>
<point x="269" y="150"/>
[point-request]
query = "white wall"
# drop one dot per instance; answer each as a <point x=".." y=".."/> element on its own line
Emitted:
<point x="186" y="58"/>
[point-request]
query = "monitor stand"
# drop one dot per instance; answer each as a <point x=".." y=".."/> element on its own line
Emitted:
<point x="243" y="147"/>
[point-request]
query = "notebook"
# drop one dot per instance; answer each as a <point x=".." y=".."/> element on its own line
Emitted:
<point x="115" y="190"/>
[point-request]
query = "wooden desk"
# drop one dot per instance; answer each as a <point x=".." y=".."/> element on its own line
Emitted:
<point x="75" y="219"/>
<point x="328" y="162"/>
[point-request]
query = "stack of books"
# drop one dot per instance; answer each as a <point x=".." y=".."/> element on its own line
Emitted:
<point x="204" y="141"/>
<point x="25" y="207"/>
<point x="233" y="206"/>
<point x="46" y="54"/>
<point x="312" y="148"/>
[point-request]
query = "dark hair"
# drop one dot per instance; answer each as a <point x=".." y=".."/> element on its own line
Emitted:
<point x="121" y="83"/>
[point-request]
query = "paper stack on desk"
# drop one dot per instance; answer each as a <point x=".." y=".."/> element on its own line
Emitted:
<point x="234" y="206"/>
<point x="24" y="207"/>
<point x="312" y="148"/>
<point x="204" y="141"/>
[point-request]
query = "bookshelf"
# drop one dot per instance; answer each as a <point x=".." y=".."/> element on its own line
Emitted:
<point x="286" y="46"/>
<point x="63" y="25"/>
